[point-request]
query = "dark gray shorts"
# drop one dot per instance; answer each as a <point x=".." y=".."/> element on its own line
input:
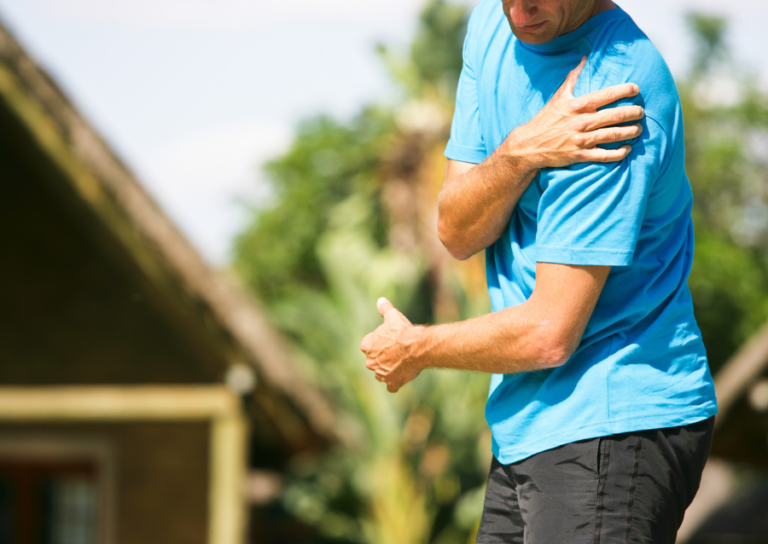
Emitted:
<point x="625" y="488"/>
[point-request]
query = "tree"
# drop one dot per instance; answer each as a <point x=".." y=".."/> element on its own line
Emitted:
<point x="726" y="137"/>
<point x="354" y="219"/>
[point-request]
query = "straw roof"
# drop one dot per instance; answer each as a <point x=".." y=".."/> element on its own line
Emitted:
<point x="742" y="371"/>
<point x="166" y="258"/>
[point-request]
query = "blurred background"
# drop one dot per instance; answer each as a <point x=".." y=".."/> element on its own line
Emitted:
<point x="201" y="202"/>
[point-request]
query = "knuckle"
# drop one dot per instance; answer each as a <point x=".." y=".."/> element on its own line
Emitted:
<point x="580" y="126"/>
<point x="576" y="106"/>
<point x="580" y="140"/>
<point x="618" y="116"/>
<point x="617" y="135"/>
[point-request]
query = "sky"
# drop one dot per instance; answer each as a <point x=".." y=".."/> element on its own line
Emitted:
<point x="195" y="95"/>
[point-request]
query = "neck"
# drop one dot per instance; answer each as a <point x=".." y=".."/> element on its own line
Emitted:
<point x="599" y="7"/>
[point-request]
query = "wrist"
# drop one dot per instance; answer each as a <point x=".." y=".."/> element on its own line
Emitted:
<point x="518" y="155"/>
<point x="415" y="341"/>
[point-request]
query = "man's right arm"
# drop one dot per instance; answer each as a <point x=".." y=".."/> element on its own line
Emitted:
<point x="477" y="201"/>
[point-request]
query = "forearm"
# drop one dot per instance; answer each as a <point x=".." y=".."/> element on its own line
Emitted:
<point x="476" y="203"/>
<point x="517" y="339"/>
<point x="475" y="207"/>
<point x="541" y="333"/>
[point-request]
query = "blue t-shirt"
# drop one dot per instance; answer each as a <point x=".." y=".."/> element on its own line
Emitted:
<point x="641" y="363"/>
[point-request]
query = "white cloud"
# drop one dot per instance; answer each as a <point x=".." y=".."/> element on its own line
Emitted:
<point x="202" y="180"/>
<point x="227" y="15"/>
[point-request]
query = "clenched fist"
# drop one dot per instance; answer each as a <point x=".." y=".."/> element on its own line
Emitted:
<point x="391" y="349"/>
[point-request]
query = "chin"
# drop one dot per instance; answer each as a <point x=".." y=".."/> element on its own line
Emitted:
<point x="534" y="38"/>
<point x="542" y="35"/>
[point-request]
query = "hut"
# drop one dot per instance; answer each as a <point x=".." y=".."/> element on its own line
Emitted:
<point x="143" y="396"/>
<point x="732" y="503"/>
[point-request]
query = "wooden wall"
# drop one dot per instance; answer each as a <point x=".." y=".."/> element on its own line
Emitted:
<point x="74" y="308"/>
<point x="161" y="473"/>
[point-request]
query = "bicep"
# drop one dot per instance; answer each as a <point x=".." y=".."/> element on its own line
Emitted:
<point x="466" y="142"/>
<point x="454" y="169"/>
<point x="566" y="296"/>
<point x="591" y="214"/>
<point x="451" y="189"/>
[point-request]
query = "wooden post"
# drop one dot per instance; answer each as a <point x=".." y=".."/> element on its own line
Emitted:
<point x="227" y="507"/>
<point x="216" y="404"/>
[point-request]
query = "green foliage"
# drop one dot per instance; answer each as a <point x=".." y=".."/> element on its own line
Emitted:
<point x="327" y="162"/>
<point x="396" y="496"/>
<point x="707" y="31"/>
<point x="318" y="258"/>
<point x="434" y="61"/>
<point x="728" y="171"/>
<point x="436" y="50"/>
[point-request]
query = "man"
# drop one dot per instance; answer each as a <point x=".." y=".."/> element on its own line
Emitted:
<point x="601" y="401"/>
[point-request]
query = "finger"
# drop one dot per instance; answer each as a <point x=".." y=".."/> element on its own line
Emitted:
<point x="388" y="311"/>
<point x="370" y="364"/>
<point x="614" y="134"/>
<point x="392" y="388"/>
<point x="365" y="345"/>
<point x="380" y="378"/>
<point x="603" y="97"/>
<point x="568" y="86"/>
<point x="383" y="306"/>
<point x="598" y="154"/>
<point x="612" y="116"/>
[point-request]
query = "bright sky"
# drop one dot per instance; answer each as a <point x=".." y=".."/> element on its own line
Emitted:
<point x="196" y="94"/>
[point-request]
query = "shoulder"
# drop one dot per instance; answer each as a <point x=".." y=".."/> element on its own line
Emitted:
<point x="622" y="53"/>
<point x="487" y="9"/>
<point x="486" y="18"/>
<point x="487" y="24"/>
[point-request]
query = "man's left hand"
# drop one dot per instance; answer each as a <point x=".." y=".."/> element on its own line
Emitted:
<point x="388" y="349"/>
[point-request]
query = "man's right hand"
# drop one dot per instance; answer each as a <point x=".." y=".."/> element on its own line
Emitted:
<point x="477" y="201"/>
<point x="568" y="130"/>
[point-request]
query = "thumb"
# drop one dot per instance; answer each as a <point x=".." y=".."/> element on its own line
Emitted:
<point x="388" y="311"/>
<point x="569" y="85"/>
<point x="383" y="306"/>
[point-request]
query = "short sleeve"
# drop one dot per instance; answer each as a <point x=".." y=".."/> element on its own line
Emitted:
<point x="591" y="213"/>
<point x="466" y="142"/>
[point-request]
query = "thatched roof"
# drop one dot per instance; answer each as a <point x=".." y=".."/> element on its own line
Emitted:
<point x="741" y="371"/>
<point x="742" y="423"/>
<point x="740" y="435"/>
<point x="97" y="177"/>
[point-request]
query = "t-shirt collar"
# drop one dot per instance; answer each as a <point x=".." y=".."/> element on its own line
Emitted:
<point x="567" y="41"/>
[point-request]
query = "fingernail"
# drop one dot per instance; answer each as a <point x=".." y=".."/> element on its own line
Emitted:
<point x="635" y="88"/>
<point x="381" y="300"/>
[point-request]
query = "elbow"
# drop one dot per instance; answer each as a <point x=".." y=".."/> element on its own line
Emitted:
<point x="451" y="241"/>
<point x="554" y="358"/>
<point x="554" y="352"/>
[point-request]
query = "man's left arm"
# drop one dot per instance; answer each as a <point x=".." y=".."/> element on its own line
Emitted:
<point x="541" y="333"/>
<point x="589" y="220"/>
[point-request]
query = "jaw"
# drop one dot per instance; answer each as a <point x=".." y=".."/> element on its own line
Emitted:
<point x="566" y="17"/>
